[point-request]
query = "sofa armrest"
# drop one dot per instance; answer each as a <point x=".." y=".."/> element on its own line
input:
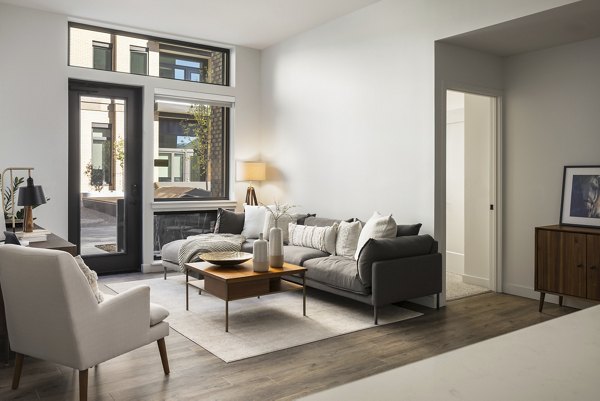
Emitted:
<point x="376" y="250"/>
<point x="400" y="279"/>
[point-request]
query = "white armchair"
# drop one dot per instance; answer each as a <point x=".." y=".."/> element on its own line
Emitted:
<point x="52" y="314"/>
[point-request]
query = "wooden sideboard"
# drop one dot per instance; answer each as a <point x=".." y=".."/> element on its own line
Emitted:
<point x="53" y="242"/>
<point x="567" y="262"/>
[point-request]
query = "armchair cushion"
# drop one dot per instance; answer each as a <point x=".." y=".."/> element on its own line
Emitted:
<point x="157" y="314"/>
<point x="408" y="229"/>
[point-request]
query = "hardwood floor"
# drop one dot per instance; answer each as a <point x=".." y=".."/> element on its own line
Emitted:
<point x="284" y="375"/>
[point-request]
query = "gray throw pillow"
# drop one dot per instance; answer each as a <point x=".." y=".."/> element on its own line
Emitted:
<point x="229" y="222"/>
<point x="408" y="229"/>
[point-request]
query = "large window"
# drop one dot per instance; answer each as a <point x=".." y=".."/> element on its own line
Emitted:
<point x="105" y="49"/>
<point x="191" y="150"/>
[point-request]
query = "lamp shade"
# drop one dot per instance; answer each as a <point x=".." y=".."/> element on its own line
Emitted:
<point x="31" y="195"/>
<point x="251" y="171"/>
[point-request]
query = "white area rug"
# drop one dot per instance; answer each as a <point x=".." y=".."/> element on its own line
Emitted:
<point x="261" y="325"/>
<point x="456" y="289"/>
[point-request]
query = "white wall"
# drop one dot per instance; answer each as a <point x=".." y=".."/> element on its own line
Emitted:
<point x="33" y="108"/>
<point x="348" y="121"/>
<point x="455" y="182"/>
<point x="552" y="120"/>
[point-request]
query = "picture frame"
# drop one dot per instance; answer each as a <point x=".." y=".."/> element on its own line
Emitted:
<point x="580" y="202"/>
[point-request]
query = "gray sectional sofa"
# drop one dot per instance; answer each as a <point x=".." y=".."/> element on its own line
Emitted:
<point x="387" y="271"/>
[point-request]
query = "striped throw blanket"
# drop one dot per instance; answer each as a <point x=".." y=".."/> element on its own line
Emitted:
<point x="198" y="244"/>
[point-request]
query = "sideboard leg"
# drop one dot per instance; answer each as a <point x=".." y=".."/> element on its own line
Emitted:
<point x="542" y="296"/>
<point x="560" y="299"/>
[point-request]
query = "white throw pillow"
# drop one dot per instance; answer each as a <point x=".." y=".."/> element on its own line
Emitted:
<point x="283" y="223"/>
<point x="347" y="238"/>
<point x="91" y="277"/>
<point x="377" y="226"/>
<point x="321" y="238"/>
<point x="254" y="220"/>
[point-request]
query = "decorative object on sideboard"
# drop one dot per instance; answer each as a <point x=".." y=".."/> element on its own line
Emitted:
<point x="260" y="254"/>
<point x="30" y="197"/>
<point x="250" y="171"/>
<point x="580" y="203"/>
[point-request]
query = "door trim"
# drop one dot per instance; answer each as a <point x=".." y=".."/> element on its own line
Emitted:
<point x="131" y="260"/>
<point x="496" y="195"/>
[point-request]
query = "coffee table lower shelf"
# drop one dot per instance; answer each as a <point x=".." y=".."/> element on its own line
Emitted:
<point x="240" y="282"/>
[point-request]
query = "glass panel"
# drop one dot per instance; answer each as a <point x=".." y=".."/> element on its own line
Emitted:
<point x="171" y="226"/>
<point x="102" y="58"/>
<point x="194" y="137"/>
<point x="139" y="63"/>
<point x="103" y="164"/>
<point x="93" y="48"/>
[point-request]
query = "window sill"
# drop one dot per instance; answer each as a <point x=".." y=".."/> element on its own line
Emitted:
<point x="172" y="206"/>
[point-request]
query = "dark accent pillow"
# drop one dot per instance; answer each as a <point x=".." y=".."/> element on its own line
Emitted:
<point x="392" y="248"/>
<point x="408" y="229"/>
<point x="229" y="222"/>
<point x="300" y="217"/>
<point x="11" y="238"/>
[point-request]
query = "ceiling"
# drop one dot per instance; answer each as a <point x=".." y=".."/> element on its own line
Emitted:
<point x="252" y="23"/>
<point x="566" y="24"/>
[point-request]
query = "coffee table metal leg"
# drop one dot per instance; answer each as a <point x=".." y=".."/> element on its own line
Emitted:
<point x="304" y="294"/>
<point x="227" y="316"/>
<point x="187" y="298"/>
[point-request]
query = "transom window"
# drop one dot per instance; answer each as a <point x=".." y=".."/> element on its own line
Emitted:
<point x="106" y="49"/>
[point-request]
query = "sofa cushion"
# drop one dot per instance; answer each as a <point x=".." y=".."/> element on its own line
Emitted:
<point x="321" y="238"/>
<point x="283" y="223"/>
<point x="392" y="248"/>
<point x="301" y="217"/>
<point x="297" y="255"/>
<point x="336" y="271"/>
<point x="229" y="222"/>
<point x="319" y="221"/>
<point x="254" y="220"/>
<point x="378" y="226"/>
<point x="170" y="251"/>
<point x="347" y="238"/>
<point x="408" y="229"/>
<point x="248" y="245"/>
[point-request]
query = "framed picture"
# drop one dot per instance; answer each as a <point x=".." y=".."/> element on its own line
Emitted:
<point x="580" y="205"/>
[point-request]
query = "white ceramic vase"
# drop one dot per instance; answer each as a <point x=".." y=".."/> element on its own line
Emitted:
<point x="260" y="259"/>
<point x="275" y="247"/>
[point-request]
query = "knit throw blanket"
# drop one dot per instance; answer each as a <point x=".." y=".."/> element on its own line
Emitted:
<point x="198" y="244"/>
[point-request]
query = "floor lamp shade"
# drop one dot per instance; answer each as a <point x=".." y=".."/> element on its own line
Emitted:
<point x="251" y="171"/>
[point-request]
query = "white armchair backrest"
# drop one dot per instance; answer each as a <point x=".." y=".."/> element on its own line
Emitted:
<point x="48" y="303"/>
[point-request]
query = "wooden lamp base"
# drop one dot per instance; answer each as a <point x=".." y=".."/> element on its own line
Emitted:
<point x="28" y="219"/>
<point x="251" y="196"/>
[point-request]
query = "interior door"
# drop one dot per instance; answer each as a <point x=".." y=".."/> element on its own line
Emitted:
<point x="105" y="180"/>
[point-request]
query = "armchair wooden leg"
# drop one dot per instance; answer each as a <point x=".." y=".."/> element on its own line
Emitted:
<point x="83" y="385"/>
<point x="18" y="369"/>
<point x="162" y="348"/>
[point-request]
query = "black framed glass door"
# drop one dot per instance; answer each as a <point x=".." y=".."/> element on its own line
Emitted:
<point x="105" y="175"/>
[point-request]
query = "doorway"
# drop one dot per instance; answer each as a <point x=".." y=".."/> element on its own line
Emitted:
<point x="105" y="179"/>
<point x="471" y="170"/>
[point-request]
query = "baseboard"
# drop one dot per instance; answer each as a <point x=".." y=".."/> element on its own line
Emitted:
<point x="154" y="267"/>
<point x="482" y="282"/>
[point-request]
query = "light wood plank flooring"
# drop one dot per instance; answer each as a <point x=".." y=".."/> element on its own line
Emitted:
<point x="284" y="375"/>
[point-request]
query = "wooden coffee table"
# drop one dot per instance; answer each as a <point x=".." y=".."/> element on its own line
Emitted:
<point x="230" y="283"/>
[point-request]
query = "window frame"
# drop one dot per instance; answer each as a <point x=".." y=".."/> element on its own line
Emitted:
<point x="194" y="47"/>
<point x="139" y="50"/>
<point x="96" y="44"/>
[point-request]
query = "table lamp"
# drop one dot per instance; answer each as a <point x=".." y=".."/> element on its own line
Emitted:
<point x="29" y="196"/>
<point x="250" y="171"/>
